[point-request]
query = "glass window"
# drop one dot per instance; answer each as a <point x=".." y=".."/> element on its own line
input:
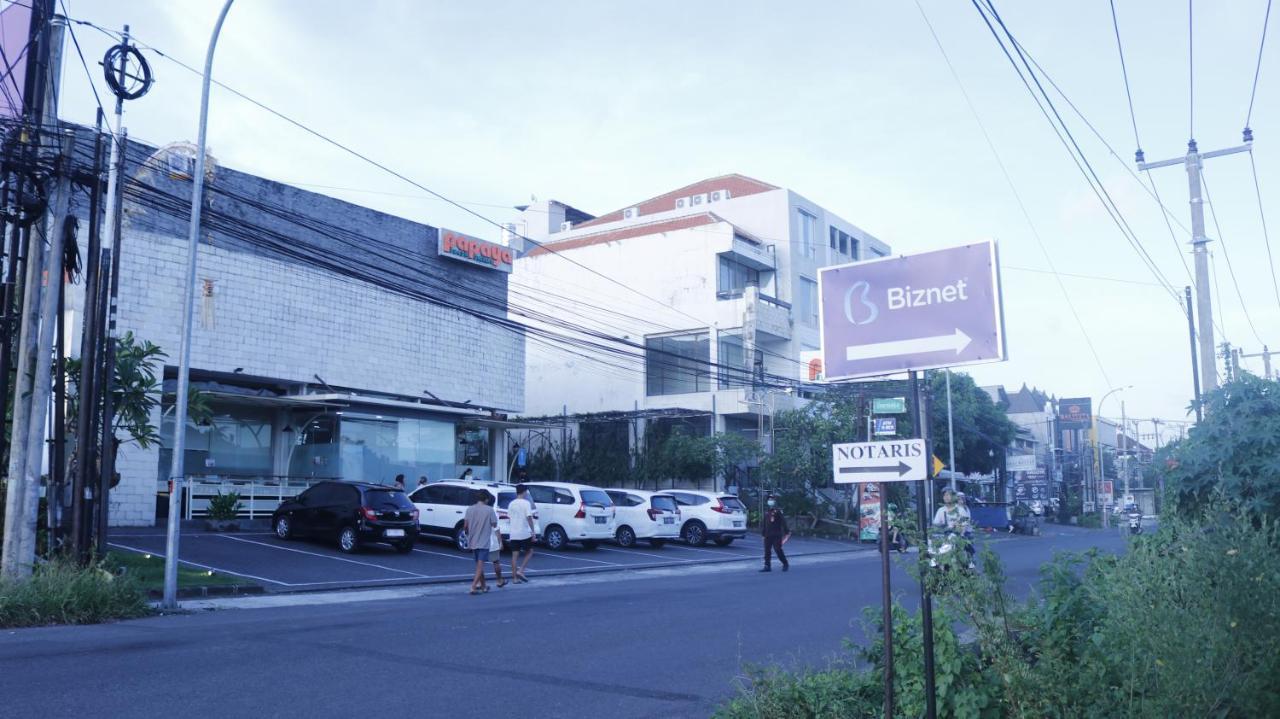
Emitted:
<point x="374" y="449"/>
<point x="663" y="502"/>
<point x="315" y="453"/>
<point x="808" y="231"/>
<point x="732" y="360"/>
<point x="619" y="498"/>
<point x="678" y="364"/>
<point x="542" y="495"/>
<point x="563" y="496"/>
<point x="807" y="301"/>
<point x="473" y="448"/>
<point x="733" y="278"/>
<point x="632" y="500"/>
<point x="505" y="499"/>
<point x="834" y="235"/>
<point x="385" y="499"/>
<point x="732" y="502"/>
<point x="596" y="498"/>
<point x="235" y="442"/>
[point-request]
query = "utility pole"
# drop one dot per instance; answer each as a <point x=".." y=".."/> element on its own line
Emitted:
<point x="1265" y="354"/>
<point x="1195" y="373"/>
<point x="1193" y="162"/>
<point x="1124" y="456"/>
<point x="951" y="436"/>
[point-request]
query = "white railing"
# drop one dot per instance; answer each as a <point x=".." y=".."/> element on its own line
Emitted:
<point x="259" y="496"/>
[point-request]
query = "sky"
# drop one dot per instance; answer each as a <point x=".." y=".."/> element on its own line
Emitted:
<point x="851" y="104"/>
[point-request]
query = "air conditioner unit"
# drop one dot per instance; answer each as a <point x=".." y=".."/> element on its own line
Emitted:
<point x="682" y="202"/>
<point x="718" y="195"/>
<point x="631" y="213"/>
<point x="566" y="226"/>
<point x="698" y="199"/>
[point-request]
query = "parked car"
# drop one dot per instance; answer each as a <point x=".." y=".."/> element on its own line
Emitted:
<point x="441" y="506"/>
<point x="710" y="515"/>
<point x="352" y="513"/>
<point x="653" y="516"/>
<point x="572" y="513"/>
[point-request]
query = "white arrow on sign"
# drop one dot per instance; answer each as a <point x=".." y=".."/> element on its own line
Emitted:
<point x="956" y="341"/>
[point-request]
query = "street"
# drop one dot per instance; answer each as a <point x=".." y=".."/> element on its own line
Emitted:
<point x="664" y="642"/>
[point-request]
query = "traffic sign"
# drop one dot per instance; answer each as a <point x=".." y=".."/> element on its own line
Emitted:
<point x="938" y="465"/>
<point x="934" y="309"/>
<point x="895" y="460"/>
<point x="889" y="405"/>
<point x="886" y="426"/>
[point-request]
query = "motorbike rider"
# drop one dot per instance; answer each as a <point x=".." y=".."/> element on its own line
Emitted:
<point x="953" y="516"/>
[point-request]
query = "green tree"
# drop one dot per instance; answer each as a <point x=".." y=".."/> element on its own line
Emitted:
<point x="982" y="429"/>
<point x="1233" y="453"/>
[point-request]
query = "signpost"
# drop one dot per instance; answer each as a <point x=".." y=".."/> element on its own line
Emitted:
<point x="935" y="309"/>
<point x="889" y="405"/>
<point x="886" y="426"/>
<point x="905" y="314"/>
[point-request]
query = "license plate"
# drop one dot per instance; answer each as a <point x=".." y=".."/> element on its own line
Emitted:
<point x="395" y="532"/>
<point x="737" y="524"/>
<point x="668" y="520"/>
<point x="601" y="520"/>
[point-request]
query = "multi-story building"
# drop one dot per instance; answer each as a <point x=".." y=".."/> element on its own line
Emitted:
<point x="713" y="285"/>
<point x="331" y="341"/>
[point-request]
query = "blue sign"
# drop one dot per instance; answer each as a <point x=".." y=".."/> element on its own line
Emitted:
<point x="886" y="426"/>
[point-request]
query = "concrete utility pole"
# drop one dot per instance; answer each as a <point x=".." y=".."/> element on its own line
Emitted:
<point x="1199" y="242"/>
<point x="951" y="435"/>
<point x="1265" y="354"/>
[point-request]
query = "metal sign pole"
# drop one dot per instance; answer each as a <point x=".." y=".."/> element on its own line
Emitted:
<point x="887" y="600"/>
<point x="920" y="413"/>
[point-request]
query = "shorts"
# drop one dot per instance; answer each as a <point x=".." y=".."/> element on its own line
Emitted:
<point x="520" y="545"/>
<point x="482" y="555"/>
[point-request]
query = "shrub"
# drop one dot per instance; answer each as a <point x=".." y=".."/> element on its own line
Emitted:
<point x="61" y="592"/>
<point x="224" y="506"/>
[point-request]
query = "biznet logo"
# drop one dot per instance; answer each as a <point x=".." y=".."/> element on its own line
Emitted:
<point x="458" y="246"/>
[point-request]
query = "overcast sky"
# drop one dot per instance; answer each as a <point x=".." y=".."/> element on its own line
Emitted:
<point x="600" y="104"/>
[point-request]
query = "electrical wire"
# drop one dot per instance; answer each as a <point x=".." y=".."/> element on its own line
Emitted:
<point x="1244" y="307"/>
<point x="1124" y="71"/>
<point x="1191" y="71"/>
<point x="1266" y="238"/>
<point x="1258" y="68"/>
<point x="1013" y="188"/>
<point x="88" y="75"/>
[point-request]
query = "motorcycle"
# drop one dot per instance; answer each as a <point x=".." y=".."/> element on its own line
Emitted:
<point x="942" y="548"/>
<point x="1135" y="523"/>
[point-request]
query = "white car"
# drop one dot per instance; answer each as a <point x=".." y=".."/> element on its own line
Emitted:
<point x="645" y="515"/>
<point x="572" y="513"/>
<point x="710" y="515"/>
<point x="441" y="506"/>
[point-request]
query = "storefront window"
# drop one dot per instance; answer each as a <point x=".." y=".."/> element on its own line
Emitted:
<point x="473" y="450"/>
<point x="235" y="442"/>
<point x="315" y="453"/>
<point x="376" y="449"/>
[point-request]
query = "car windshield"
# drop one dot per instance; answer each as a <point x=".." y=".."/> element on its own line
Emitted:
<point x="596" y="498"/>
<point x="732" y="503"/>
<point x="663" y="502"/>
<point x="386" y="499"/>
<point x="505" y="499"/>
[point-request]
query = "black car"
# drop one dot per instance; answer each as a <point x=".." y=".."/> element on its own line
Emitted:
<point x="353" y="513"/>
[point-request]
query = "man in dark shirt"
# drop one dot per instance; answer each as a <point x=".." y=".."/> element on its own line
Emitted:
<point x="775" y="533"/>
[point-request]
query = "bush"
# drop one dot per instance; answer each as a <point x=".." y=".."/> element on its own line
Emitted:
<point x="61" y="592"/>
<point x="839" y="692"/>
<point x="224" y="506"/>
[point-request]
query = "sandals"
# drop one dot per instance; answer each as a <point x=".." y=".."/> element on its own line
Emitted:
<point x="502" y="583"/>
<point x="521" y="578"/>
<point x="475" y="592"/>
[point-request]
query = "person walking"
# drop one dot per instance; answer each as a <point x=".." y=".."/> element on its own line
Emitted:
<point x="479" y="522"/>
<point x="467" y="475"/>
<point x="399" y="482"/>
<point x="775" y="531"/>
<point x="495" y="548"/>
<point x="520" y="512"/>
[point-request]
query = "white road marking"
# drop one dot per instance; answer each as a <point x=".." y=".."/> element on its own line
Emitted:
<point x="204" y="566"/>
<point x="643" y="554"/>
<point x="327" y="556"/>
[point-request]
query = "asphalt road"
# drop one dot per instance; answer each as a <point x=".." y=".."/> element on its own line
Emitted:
<point x="647" y="643"/>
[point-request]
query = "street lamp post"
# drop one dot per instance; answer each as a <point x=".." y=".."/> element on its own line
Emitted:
<point x="1097" y="449"/>
<point x="177" y="471"/>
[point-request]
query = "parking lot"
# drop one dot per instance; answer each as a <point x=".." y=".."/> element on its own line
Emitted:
<point x="301" y="565"/>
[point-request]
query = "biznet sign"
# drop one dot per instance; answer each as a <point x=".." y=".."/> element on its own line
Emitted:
<point x="934" y="309"/>
<point x="465" y="248"/>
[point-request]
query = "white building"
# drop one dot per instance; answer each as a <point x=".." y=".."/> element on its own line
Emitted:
<point x="680" y="276"/>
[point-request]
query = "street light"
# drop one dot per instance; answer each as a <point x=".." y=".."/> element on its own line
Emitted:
<point x="177" y="470"/>
<point x="1097" y="447"/>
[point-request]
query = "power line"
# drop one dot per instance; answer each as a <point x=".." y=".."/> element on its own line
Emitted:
<point x="1124" y="71"/>
<point x="1266" y="239"/>
<point x="1016" y="195"/>
<point x="88" y="75"/>
<point x="1083" y="277"/>
<point x="1258" y="69"/>
<point x="1227" y="256"/>
<point x="1191" y="70"/>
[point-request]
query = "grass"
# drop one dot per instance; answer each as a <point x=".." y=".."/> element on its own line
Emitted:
<point x="62" y="592"/>
<point x="148" y="571"/>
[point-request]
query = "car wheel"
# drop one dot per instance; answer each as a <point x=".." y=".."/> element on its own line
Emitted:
<point x="284" y="529"/>
<point x="348" y="540"/>
<point x="590" y="544"/>
<point x="694" y="534"/>
<point x="460" y="537"/>
<point x="404" y="547"/>
<point x="657" y="543"/>
<point x="555" y="538"/>
<point x="625" y="536"/>
<point x="724" y="541"/>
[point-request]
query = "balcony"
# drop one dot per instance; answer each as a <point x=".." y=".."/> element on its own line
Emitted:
<point x="755" y="255"/>
<point x="773" y="318"/>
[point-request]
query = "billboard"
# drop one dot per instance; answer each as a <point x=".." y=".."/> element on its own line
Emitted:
<point x="15" y="26"/>
<point x="474" y="251"/>
<point x="1075" y="413"/>
<point x="914" y="312"/>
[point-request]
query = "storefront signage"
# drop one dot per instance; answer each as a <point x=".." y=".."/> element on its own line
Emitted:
<point x="889" y="405"/>
<point x="1075" y="413"/>
<point x="1020" y="463"/>
<point x="465" y="248"/>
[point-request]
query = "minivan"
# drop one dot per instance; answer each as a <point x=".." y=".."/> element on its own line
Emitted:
<point x="572" y="513"/>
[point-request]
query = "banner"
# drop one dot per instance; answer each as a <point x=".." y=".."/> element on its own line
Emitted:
<point x="15" y="26"/>
<point x="1075" y="413"/>
<point x="869" y="511"/>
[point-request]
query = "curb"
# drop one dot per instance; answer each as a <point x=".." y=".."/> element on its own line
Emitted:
<point x="226" y="590"/>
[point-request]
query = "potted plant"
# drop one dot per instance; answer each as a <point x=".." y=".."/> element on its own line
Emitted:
<point x="223" y="509"/>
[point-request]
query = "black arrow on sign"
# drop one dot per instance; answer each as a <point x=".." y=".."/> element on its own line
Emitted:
<point x="902" y="469"/>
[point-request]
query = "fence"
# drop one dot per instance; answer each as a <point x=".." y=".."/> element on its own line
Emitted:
<point x="259" y="496"/>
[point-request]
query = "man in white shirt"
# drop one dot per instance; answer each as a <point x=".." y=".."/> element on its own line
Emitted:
<point x="520" y="511"/>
